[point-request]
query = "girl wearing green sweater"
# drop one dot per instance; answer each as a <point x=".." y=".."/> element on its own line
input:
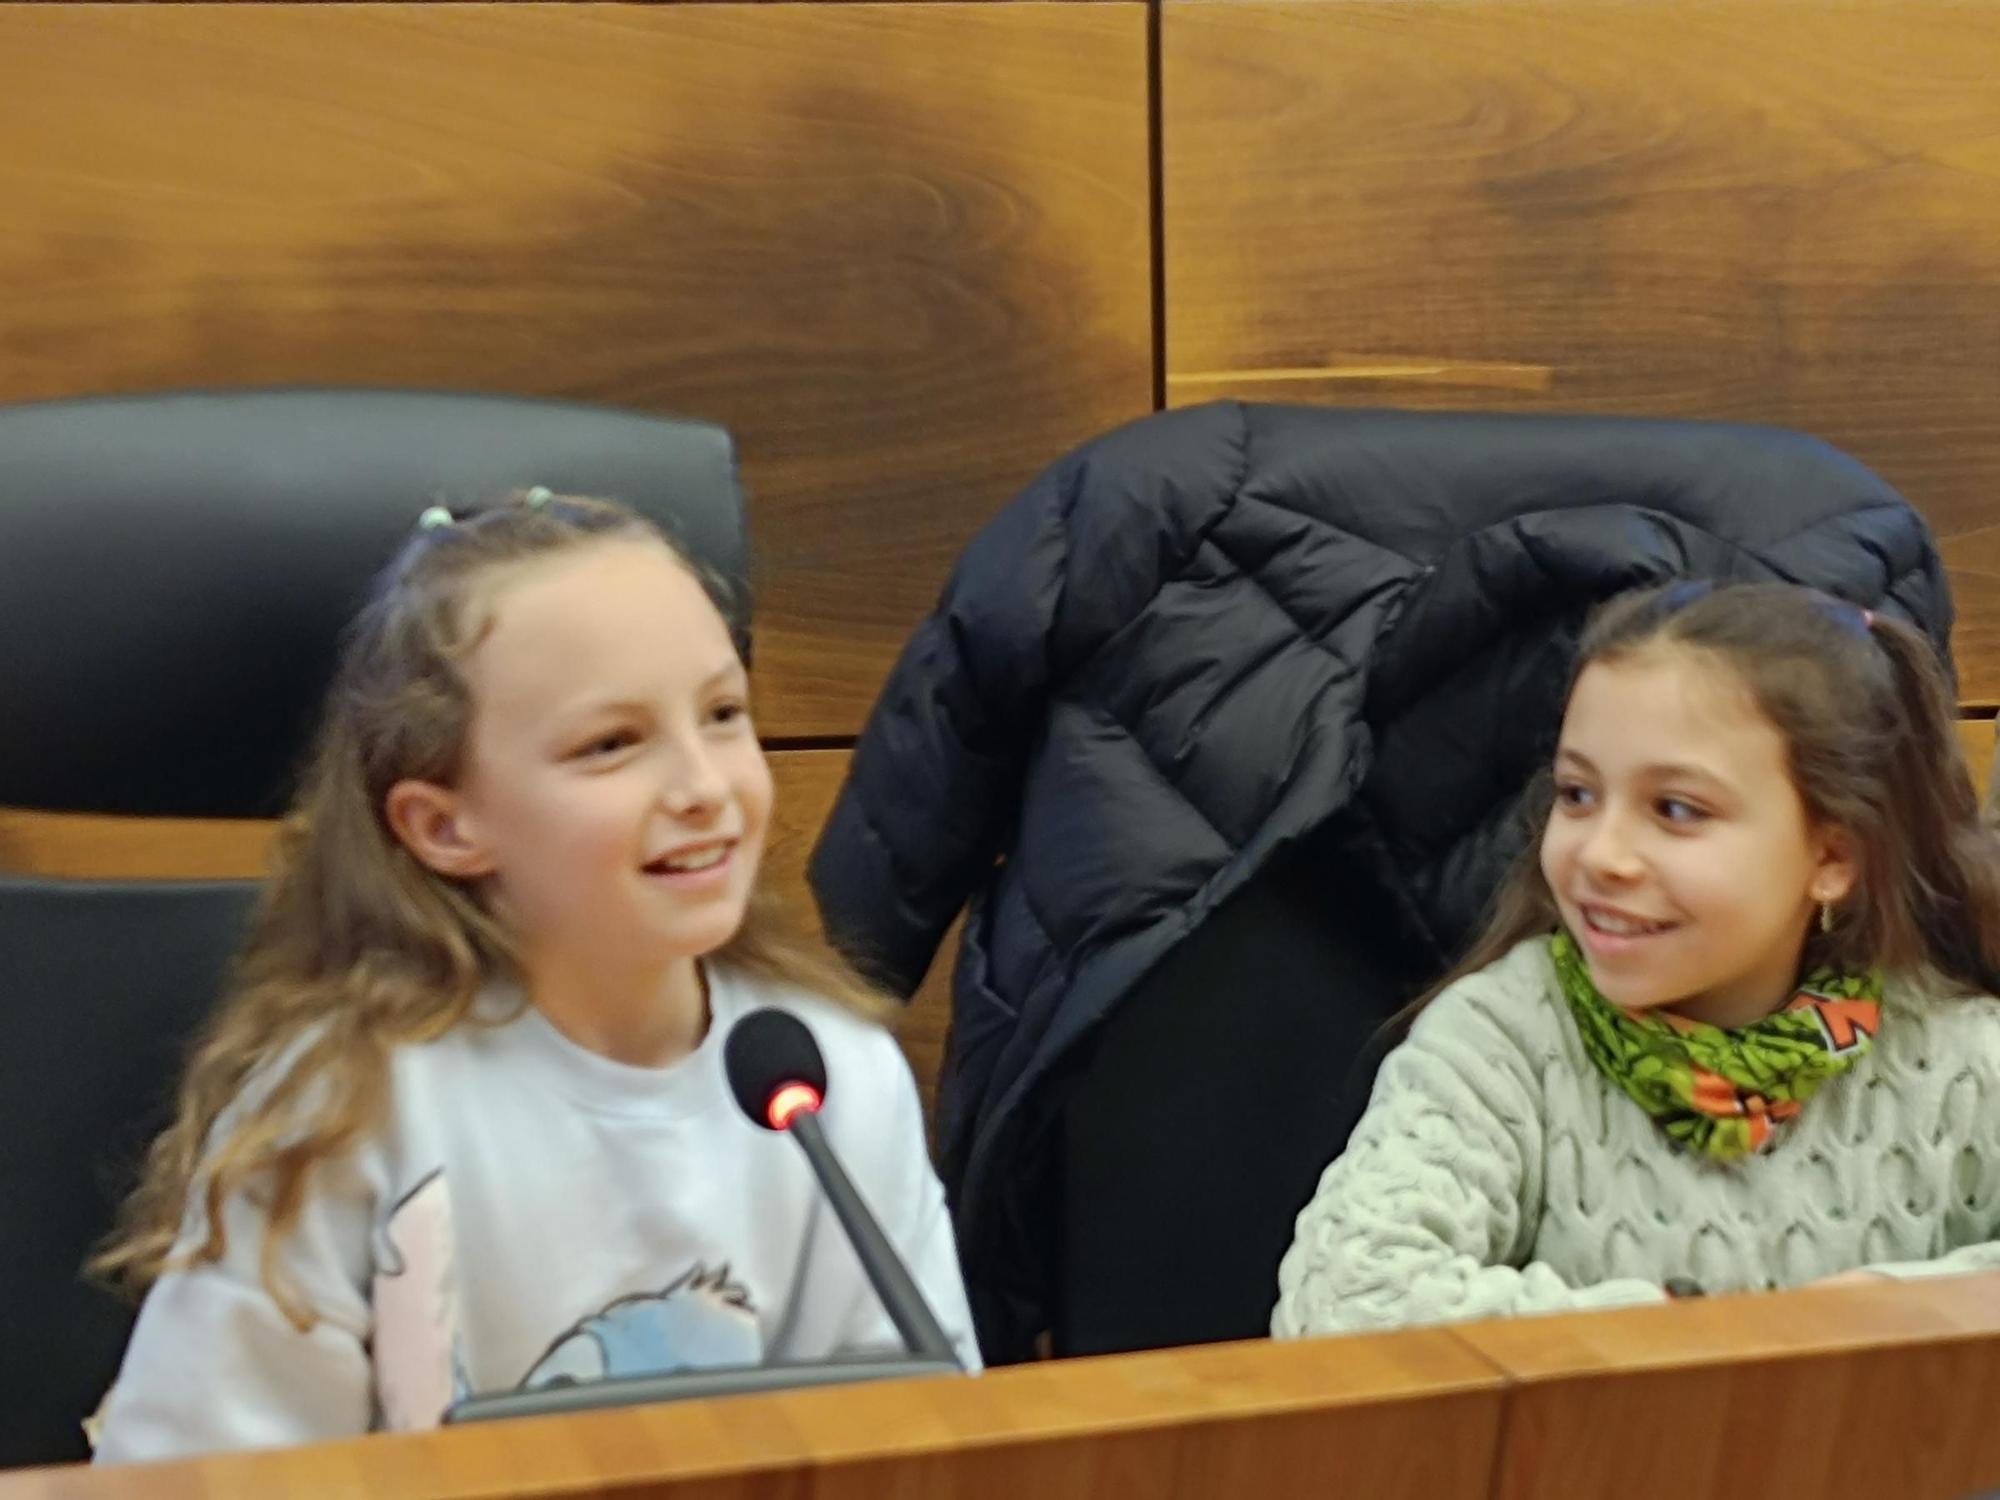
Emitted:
<point x="1730" y="1027"/>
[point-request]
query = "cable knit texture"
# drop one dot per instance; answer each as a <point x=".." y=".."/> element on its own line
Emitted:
<point x="1497" y="1171"/>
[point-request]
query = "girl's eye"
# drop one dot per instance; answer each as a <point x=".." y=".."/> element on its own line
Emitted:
<point x="609" y="743"/>
<point x="1574" y="795"/>
<point x="1674" y="810"/>
<point x="730" y="712"/>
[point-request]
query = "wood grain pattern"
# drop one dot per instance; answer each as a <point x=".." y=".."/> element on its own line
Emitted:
<point x="1976" y="739"/>
<point x="1408" y="1414"/>
<point x="68" y="846"/>
<point x="1850" y="1393"/>
<point x="900" y="250"/>
<point x="807" y="783"/>
<point x="89" y="846"/>
<point x="1770" y="210"/>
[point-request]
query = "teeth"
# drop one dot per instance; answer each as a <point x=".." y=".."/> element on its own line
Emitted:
<point x="708" y="859"/>
<point x="1619" y="926"/>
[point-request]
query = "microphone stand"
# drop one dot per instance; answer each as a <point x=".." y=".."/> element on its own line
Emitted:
<point x="907" y="1308"/>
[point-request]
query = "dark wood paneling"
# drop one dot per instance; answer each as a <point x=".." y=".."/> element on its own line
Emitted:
<point x="1780" y="211"/>
<point x="899" y="249"/>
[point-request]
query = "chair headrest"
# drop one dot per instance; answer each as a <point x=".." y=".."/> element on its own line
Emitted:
<point x="175" y="569"/>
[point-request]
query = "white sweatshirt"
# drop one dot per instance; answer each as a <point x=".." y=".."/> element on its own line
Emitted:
<point x="533" y="1213"/>
<point x="1498" y="1171"/>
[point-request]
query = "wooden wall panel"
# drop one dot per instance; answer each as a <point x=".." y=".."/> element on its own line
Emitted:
<point x="84" y="847"/>
<point x="1780" y="211"/>
<point x="1976" y="740"/>
<point x="808" y="781"/>
<point x="900" y="250"/>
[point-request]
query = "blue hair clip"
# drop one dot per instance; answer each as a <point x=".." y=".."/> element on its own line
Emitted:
<point x="538" y="496"/>
<point x="1679" y="596"/>
<point x="1855" y="619"/>
<point x="434" y="517"/>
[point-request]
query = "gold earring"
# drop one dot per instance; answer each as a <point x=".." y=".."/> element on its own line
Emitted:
<point x="1826" y="916"/>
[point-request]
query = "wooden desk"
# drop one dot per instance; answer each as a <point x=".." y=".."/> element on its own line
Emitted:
<point x="1413" y="1413"/>
<point x="1883" y="1391"/>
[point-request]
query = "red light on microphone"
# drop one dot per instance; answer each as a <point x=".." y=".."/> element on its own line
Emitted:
<point x="791" y="1101"/>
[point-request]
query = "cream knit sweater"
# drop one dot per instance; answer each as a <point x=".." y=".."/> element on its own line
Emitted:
<point x="1497" y="1171"/>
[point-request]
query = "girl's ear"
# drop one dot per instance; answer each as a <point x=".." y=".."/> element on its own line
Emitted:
<point x="429" y="822"/>
<point x="1836" y="864"/>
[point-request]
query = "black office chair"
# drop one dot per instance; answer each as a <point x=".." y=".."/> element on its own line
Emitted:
<point x="174" y="574"/>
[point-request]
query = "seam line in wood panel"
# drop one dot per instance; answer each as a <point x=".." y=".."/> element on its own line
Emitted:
<point x="1510" y="1389"/>
<point x="780" y="744"/>
<point x="1156" y="174"/>
<point x="1488" y="374"/>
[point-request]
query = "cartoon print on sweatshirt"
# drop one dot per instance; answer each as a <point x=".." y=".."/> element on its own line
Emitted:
<point x="415" y="1351"/>
<point x="701" y="1320"/>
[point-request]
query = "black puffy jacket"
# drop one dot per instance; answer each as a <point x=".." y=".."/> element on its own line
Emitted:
<point x="1195" y="641"/>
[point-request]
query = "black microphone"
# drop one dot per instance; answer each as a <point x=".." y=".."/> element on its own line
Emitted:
<point x="779" y="1078"/>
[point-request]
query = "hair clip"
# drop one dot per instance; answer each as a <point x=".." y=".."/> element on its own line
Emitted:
<point x="434" y="517"/>
<point x="1853" y="618"/>
<point x="538" y="496"/>
<point x="1679" y="596"/>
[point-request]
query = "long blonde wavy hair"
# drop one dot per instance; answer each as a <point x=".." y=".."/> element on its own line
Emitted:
<point x="357" y="947"/>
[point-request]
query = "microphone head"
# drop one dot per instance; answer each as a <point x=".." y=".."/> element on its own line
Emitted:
<point x="775" y="1067"/>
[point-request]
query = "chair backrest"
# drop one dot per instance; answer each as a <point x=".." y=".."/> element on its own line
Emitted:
<point x="174" y="574"/>
<point x="175" y="570"/>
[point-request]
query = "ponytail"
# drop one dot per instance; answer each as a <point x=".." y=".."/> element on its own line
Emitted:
<point x="1935" y="880"/>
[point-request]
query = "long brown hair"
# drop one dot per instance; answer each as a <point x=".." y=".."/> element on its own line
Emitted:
<point x="1866" y="714"/>
<point x="358" y="947"/>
